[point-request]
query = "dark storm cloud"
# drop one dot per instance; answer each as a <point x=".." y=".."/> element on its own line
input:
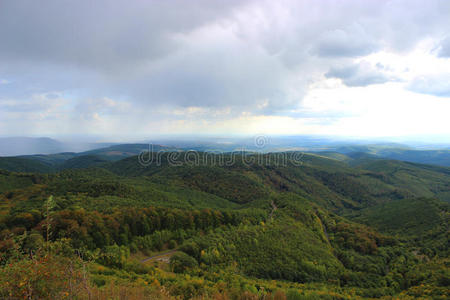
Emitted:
<point x="139" y="49"/>
<point x="250" y="56"/>
<point x="340" y="43"/>
<point x="100" y="34"/>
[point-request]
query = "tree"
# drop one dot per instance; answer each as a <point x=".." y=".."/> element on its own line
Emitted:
<point x="49" y="205"/>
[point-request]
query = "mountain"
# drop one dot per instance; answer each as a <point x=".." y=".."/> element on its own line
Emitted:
<point x="25" y="145"/>
<point x="38" y="147"/>
<point x="117" y="152"/>
<point x="438" y="156"/>
<point x="435" y="157"/>
<point x="83" y="161"/>
<point x="44" y="163"/>
<point x="51" y="160"/>
<point x="332" y="183"/>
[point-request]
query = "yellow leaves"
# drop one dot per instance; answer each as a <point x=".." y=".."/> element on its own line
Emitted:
<point x="216" y="253"/>
<point x="100" y="268"/>
<point x="156" y="283"/>
<point x="141" y="281"/>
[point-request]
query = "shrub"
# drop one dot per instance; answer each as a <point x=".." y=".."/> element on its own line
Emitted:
<point x="179" y="262"/>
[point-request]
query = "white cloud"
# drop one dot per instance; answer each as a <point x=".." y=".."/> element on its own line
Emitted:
<point x="438" y="85"/>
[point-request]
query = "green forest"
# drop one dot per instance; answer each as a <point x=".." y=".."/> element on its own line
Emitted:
<point x="332" y="227"/>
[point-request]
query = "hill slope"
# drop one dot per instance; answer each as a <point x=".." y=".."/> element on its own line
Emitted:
<point x="19" y="164"/>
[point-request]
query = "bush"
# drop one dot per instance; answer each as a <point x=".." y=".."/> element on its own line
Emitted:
<point x="172" y="244"/>
<point x="42" y="277"/>
<point x="294" y="295"/>
<point x="114" y="256"/>
<point x="179" y="262"/>
<point x="33" y="242"/>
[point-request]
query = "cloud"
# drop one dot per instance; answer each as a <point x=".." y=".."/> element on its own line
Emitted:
<point x="37" y="103"/>
<point x="437" y="85"/>
<point x="152" y="58"/>
<point x="104" y="35"/>
<point x="445" y="48"/>
<point x="361" y="74"/>
<point x="341" y="43"/>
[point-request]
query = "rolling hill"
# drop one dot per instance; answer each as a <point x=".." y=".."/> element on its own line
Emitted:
<point x="20" y="164"/>
<point x="42" y="163"/>
<point x="434" y="157"/>
<point x="317" y="224"/>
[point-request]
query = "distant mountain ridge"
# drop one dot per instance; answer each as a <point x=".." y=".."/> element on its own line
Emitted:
<point x="50" y="155"/>
<point x="13" y="146"/>
<point x="44" y="163"/>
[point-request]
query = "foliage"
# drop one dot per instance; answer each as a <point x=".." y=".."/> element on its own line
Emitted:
<point x="322" y="230"/>
<point x="42" y="276"/>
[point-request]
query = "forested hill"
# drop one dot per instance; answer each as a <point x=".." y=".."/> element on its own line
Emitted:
<point x="49" y="163"/>
<point x="295" y="225"/>
<point x="328" y="182"/>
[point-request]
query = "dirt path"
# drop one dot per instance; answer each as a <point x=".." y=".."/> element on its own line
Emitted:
<point x="158" y="255"/>
<point x="274" y="208"/>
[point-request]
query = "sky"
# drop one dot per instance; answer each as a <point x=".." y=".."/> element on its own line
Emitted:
<point x="137" y="69"/>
